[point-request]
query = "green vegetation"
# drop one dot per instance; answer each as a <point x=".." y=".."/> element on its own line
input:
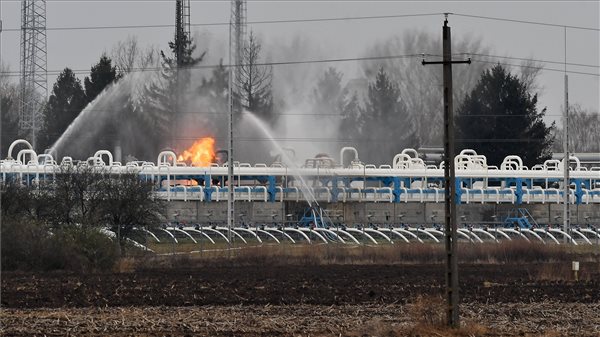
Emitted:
<point x="64" y="225"/>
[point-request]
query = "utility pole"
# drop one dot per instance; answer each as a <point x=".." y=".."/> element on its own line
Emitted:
<point x="237" y="28"/>
<point x="451" y="229"/>
<point x="566" y="182"/>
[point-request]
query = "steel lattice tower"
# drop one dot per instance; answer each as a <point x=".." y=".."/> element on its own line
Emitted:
<point x="34" y="86"/>
<point x="238" y="38"/>
<point x="182" y="27"/>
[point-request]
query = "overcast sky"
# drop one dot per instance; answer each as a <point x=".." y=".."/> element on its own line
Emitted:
<point x="80" y="49"/>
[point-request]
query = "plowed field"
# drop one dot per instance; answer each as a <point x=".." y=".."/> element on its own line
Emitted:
<point x="353" y="300"/>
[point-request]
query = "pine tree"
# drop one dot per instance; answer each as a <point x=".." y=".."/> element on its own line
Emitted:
<point x="328" y="96"/>
<point x="9" y="110"/>
<point x="9" y="119"/>
<point x="499" y="117"/>
<point x="101" y="75"/>
<point x="388" y="127"/>
<point x="64" y="104"/>
<point x="352" y="124"/>
<point x="216" y="89"/>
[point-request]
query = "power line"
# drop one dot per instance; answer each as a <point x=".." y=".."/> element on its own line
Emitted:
<point x="525" y="22"/>
<point x="279" y="63"/>
<point x="333" y="60"/>
<point x="530" y="59"/>
<point x="348" y="18"/>
<point x="536" y="67"/>
<point x="308" y="20"/>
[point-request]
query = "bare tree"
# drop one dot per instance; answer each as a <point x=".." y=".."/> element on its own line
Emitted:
<point x="584" y="134"/>
<point x="254" y="86"/>
<point x="529" y="72"/>
<point x="127" y="55"/>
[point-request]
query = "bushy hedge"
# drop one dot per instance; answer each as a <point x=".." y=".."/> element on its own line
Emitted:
<point x="63" y="225"/>
<point x="31" y="245"/>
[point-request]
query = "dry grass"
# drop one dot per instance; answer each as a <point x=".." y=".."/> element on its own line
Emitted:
<point x="321" y="254"/>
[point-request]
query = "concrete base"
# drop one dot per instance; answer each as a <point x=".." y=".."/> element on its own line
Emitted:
<point x="379" y="213"/>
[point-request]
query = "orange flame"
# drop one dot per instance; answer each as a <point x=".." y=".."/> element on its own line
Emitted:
<point x="201" y="153"/>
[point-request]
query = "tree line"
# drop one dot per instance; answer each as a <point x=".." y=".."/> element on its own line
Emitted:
<point x="396" y="105"/>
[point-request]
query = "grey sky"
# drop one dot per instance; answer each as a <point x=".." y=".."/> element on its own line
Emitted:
<point x="79" y="49"/>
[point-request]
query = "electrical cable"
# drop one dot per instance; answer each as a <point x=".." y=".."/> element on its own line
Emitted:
<point x="525" y="22"/>
<point x="349" y="18"/>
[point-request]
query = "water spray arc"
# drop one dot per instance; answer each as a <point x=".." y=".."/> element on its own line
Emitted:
<point x="34" y="76"/>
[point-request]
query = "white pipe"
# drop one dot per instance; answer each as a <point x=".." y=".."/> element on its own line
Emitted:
<point x="347" y="234"/>
<point x="280" y="232"/>
<point x="99" y="154"/>
<point x="371" y="230"/>
<point x="395" y="232"/>
<point x="533" y="233"/>
<point x="348" y="148"/>
<point x="582" y="236"/>
<point x="15" y="143"/>
<point x="539" y="230"/>
<point x="199" y="232"/>
<point x="289" y="229"/>
<point x="358" y="231"/>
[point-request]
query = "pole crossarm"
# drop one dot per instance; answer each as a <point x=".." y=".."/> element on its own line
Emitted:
<point x="468" y="61"/>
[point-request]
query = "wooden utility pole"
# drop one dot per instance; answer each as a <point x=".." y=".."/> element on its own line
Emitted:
<point x="449" y="181"/>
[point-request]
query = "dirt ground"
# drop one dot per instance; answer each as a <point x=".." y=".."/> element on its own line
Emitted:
<point x="315" y="300"/>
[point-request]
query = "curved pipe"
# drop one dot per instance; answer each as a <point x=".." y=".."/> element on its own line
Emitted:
<point x="426" y="232"/>
<point x="355" y="230"/>
<point x="554" y="230"/>
<point x="479" y="230"/>
<point x="539" y="230"/>
<point x="320" y="229"/>
<point x="15" y="143"/>
<point x="472" y="232"/>
<point x="348" y="148"/>
<point x="22" y="153"/>
<point x="402" y="230"/>
<point x="151" y="234"/>
<point x="184" y="233"/>
<point x="582" y="236"/>
<point x="514" y="231"/>
<point x="163" y="158"/>
<point x="215" y="231"/>
<point x="99" y="154"/>
<point x="289" y="229"/>
<point x="257" y="230"/>
<point x="170" y="234"/>
<point x="233" y="232"/>
<point x="347" y="234"/>
<point x="533" y="233"/>
<point x="280" y="232"/>
<point x="371" y="230"/>
<point x="308" y="230"/>
<point x="587" y="230"/>
<point x="394" y="232"/>
<point x="247" y="231"/>
<point x="506" y="236"/>
<point x="199" y="232"/>
<point x="465" y="234"/>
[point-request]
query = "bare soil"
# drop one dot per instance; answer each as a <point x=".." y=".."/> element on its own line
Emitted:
<point x="263" y="300"/>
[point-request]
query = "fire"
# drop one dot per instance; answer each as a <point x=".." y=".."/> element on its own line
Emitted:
<point x="201" y="153"/>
